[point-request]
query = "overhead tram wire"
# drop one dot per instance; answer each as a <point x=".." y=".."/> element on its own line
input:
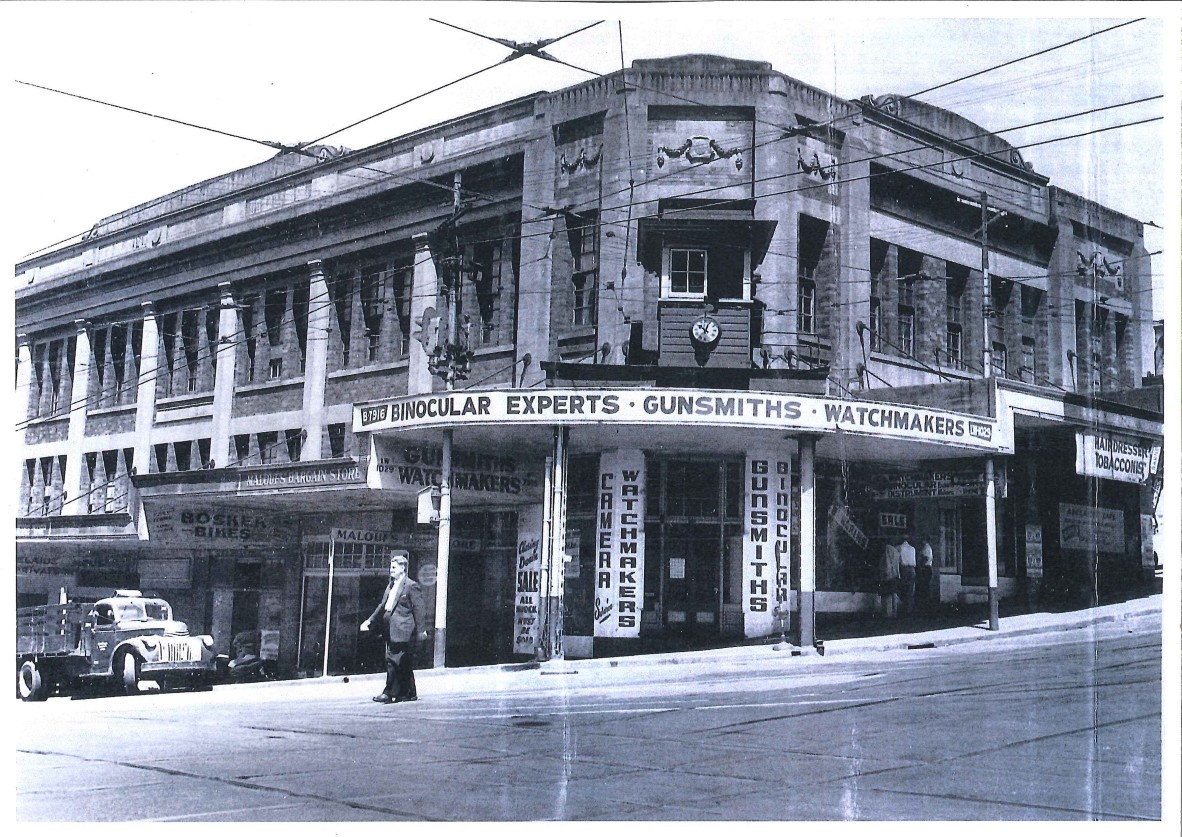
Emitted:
<point x="973" y="156"/>
<point x="330" y="303"/>
<point x="1025" y="57"/>
<point x="400" y="104"/>
<point x="872" y="158"/>
<point x="581" y="69"/>
<point x="981" y="72"/>
<point x="995" y="67"/>
<point x="268" y="143"/>
<point x="296" y="148"/>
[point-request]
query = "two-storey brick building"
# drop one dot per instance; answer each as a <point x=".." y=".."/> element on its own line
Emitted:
<point x="721" y="335"/>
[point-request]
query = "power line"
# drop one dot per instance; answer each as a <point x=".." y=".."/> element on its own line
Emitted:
<point x="519" y="50"/>
<point x="268" y="143"/>
<point x="400" y="104"/>
<point x="838" y="181"/>
<point x="1025" y="57"/>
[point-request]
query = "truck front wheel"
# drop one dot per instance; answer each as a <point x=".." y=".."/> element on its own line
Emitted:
<point x="129" y="671"/>
<point x="30" y="684"/>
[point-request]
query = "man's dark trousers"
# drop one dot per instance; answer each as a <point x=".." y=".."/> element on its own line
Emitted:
<point x="400" y="675"/>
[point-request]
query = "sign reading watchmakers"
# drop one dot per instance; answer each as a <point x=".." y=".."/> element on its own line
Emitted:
<point x="412" y="467"/>
<point x="675" y="407"/>
<point x="619" y="544"/>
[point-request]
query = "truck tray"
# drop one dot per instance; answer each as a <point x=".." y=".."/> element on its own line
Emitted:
<point x="54" y="629"/>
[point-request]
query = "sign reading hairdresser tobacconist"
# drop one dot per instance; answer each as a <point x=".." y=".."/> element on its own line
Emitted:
<point x="1113" y="456"/>
<point x="704" y="408"/>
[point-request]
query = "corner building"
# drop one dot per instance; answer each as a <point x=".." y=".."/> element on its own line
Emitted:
<point x="699" y="341"/>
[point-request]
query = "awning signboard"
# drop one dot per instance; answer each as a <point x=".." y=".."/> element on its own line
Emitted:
<point x="677" y="407"/>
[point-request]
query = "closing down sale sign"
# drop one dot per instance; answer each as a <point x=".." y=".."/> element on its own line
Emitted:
<point x="720" y="408"/>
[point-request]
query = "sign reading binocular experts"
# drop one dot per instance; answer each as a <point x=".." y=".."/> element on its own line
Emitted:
<point x="675" y="407"/>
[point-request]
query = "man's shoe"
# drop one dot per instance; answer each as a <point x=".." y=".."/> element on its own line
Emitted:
<point x="406" y="699"/>
<point x="383" y="698"/>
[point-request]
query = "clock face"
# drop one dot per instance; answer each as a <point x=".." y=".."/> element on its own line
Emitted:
<point x="705" y="330"/>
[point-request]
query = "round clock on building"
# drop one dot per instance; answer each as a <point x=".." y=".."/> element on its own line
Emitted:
<point x="705" y="331"/>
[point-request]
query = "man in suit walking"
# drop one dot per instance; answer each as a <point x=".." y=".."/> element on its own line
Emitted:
<point x="401" y="617"/>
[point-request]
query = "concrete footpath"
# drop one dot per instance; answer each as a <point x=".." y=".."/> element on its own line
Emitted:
<point x="763" y="659"/>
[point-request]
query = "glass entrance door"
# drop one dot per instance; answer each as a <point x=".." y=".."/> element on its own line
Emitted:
<point x="693" y="566"/>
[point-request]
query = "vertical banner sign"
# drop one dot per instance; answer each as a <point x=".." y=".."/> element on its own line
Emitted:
<point x="529" y="580"/>
<point x="1148" y="555"/>
<point x="619" y="544"/>
<point x="767" y="541"/>
<point x="1033" y="551"/>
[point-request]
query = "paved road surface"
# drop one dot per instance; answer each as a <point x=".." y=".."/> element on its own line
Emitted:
<point x="1061" y="726"/>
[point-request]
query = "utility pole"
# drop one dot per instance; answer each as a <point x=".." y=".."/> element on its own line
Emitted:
<point x="987" y="372"/>
<point x="449" y="363"/>
<point x="987" y="290"/>
<point x="549" y="641"/>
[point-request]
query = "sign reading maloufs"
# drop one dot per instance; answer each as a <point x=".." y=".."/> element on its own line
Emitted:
<point x="675" y="407"/>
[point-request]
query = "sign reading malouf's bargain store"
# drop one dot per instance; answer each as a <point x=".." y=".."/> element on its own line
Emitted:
<point x="1113" y="456"/>
<point x="703" y="408"/>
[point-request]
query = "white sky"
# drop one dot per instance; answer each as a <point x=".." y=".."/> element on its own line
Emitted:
<point x="294" y="71"/>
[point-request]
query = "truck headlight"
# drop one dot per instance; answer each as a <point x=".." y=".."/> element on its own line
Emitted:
<point x="207" y="641"/>
<point x="150" y="642"/>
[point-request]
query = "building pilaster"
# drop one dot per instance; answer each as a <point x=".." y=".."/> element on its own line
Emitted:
<point x="24" y="377"/>
<point x="145" y="407"/>
<point x="223" y="385"/>
<point x="424" y="317"/>
<point x="535" y="282"/>
<point x="315" y="360"/>
<point x="78" y="407"/>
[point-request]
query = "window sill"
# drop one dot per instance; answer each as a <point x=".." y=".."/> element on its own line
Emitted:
<point x="180" y="402"/>
<point x="270" y="385"/>
<point x="355" y="371"/>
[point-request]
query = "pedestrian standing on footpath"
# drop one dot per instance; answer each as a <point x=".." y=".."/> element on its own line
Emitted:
<point x="907" y="576"/>
<point x="924" y="574"/>
<point x="889" y="573"/>
<point x="401" y="618"/>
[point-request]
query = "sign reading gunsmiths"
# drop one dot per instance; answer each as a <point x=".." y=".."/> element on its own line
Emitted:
<point x="274" y="479"/>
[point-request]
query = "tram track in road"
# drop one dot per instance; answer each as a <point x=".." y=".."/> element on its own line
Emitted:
<point x="292" y="798"/>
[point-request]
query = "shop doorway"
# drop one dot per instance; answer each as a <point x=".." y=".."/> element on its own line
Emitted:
<point x="692" y="556"/>
<point x="694" y="508"/>
<point x="480" y="588"/>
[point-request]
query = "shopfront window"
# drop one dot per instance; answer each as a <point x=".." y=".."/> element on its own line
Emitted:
<point x="360" y="572"/>
<point x="950" y="540"/>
